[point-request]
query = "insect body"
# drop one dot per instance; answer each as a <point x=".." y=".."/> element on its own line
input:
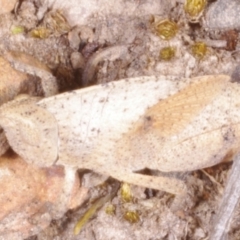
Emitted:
<point x="125" y="126"/>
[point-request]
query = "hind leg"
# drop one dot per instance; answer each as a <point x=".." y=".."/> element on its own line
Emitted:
<point x="162" y="183"/>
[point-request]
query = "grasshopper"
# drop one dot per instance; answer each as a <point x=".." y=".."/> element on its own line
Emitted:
<point x="122" y="127"/>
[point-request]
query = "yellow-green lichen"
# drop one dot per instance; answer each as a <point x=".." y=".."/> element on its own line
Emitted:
<point x="126" y="193"/>
<point x="199" y="49"/>
<point x="17" y="29"/>
<point x="194" y="8"/>
<point x="166" y="29"/>
<point x="110" y="209"/>
<point x="131" y="216"/>
<point x="167" y="53"/>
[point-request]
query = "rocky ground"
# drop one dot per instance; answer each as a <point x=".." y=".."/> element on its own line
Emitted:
<point x="82" y="43"/>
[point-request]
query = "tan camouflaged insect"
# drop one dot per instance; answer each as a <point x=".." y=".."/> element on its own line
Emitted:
<point x="161" y="123"/>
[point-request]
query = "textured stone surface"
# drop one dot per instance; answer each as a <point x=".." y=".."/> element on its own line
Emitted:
<point x="7" y="5"/>
<point x="30" y="197"/>
<point x="224" y="14"/>
<point x="11" y="81"/>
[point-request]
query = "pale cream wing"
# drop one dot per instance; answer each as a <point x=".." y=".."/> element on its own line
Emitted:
<point x="160" y="126"/>
<point x="172" y="114"/>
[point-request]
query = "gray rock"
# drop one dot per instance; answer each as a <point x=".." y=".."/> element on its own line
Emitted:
<point x="223" y="15"/>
